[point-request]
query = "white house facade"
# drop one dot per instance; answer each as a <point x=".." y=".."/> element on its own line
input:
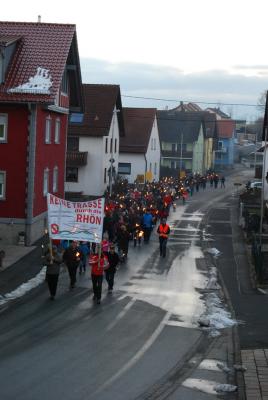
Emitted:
<point x="140" y="151"/>
<point x="99" y="136"/>
<point x="94" y="177"/>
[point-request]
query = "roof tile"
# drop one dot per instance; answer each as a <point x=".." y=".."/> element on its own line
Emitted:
<point x="38" y="45"/>
<point x="138" y="123"/>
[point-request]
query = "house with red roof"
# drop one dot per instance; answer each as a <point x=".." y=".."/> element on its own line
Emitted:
<point x="93" y="142"/>
<point x="139" y="148"/>
<point x="224" y="152"/>
<point x="40" y="83"/>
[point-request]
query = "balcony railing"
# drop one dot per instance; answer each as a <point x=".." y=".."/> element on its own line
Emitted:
<point x="76" y="158"/>
<point x="222" y="150"/>
<point x="177" y="154"/>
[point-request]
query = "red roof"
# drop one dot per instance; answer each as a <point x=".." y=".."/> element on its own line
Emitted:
<point x="99" y="103"/>
<point x="138" y="123"/>
<point x="225" y="128"/>
<point x="38" y="45"/>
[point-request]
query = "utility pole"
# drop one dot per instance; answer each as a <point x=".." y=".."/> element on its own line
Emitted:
<point x="181" y="154"/>
<point x="262" y="189"/>
<point x="115" y="111"/>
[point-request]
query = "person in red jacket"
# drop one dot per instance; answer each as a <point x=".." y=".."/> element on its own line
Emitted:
<point x="163" y="231"/>
<point x="99" y="263"/>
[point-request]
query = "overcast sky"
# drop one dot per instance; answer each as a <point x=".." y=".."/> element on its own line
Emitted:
<point x="200" y="50"/>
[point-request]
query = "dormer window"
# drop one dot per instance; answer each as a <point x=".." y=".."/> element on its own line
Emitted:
<point x="7" y="48"/>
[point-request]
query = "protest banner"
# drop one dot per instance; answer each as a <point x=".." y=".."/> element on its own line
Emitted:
<point x="69" y="220"/>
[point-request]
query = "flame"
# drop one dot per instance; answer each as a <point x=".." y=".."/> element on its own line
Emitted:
<point x="140" y="234"/>
<point x="77" y="254"/>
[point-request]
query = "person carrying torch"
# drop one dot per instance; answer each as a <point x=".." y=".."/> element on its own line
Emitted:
<point x="99" y="263"/>
<point x="72" y="257"/>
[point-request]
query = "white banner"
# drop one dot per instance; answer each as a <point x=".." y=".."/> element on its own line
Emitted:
<point x="75" y="220"/>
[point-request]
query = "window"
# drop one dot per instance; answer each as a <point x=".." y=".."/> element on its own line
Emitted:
<point x="155" y="168"/>
<point x="73" y="143"/>
<point x="173" y="147"/>
<point x="124" y="168"/>
<point x="105" y="175"/>
<point x="76" y="118"/>
<point x="1" y="68"/>
<point x="220" y="145"/>
<point x="180" y="165"/>
<point x="48" y="130"/>
<point x="181" y="147"/>
<point x="45" y="181"/>
<point x="55" y="179"/>
<point x="111" y="145"/>
<point x="150" y="169"/>
<point x="71" y="174"/>
<point x="57" y="131"/>
<point x="152" y="144"/>
<point x="64" y="82"/>
<point x="3" y="128"/>
<point x="115" y="145"/>
<point x="2" y="185"/>
<point x="106" y="145"/>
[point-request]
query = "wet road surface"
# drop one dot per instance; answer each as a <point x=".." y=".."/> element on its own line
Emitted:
<point x="142" y="342"/>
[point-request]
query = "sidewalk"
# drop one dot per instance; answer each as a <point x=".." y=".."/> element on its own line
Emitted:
<point x="14" y="253"/>
<point x="256" y="375"/>
<point x="250" y="308"/>
<point x="20" y="264"/>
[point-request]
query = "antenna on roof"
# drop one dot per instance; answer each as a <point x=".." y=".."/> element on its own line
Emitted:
<point x="39" y="19"/>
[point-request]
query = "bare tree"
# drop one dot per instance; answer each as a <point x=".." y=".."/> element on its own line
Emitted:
<point x="261" y="101"/>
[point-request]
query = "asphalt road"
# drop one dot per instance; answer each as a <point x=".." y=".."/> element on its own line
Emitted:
<point x="140" y="342"/>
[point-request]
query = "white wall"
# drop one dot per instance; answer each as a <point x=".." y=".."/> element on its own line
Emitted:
<point x="91" y="176"/>
<point x="137" y="162"/>
<point x="153" y="152"/>
<point x="113" y="134"/>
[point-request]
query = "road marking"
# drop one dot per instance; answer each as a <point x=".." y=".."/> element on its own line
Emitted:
<point x="262" y="291"/>
<point x="121" y="314"/>
<point x="138" y="355"/>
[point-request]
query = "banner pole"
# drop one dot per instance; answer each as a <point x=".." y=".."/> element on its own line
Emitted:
<point x="99" y="254"/>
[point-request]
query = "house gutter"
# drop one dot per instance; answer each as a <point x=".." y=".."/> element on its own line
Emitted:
<point x="30" y="172"/>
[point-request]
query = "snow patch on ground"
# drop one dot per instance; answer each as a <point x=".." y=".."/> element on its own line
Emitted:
<point x="24" y="288"/>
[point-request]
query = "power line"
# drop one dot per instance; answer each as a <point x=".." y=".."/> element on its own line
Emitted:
<point x="196" y="102"/>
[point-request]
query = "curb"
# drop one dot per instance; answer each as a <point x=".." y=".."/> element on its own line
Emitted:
<point x="234" y="353"/>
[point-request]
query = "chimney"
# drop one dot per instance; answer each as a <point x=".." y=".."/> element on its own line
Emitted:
<point x="39" y="19"/>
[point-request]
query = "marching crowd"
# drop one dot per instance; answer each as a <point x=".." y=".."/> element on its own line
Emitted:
<point x="131" y="213"/>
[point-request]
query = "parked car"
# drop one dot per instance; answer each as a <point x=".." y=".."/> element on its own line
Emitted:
<point x="256" y="184"/>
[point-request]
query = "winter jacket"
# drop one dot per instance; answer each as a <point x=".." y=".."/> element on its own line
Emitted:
<point x="98" y="267"/>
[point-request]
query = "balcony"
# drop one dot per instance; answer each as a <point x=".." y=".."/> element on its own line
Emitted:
<point x="76" y="158"/>
<point x="222" y="150"/>
<point x="177" y="154"/>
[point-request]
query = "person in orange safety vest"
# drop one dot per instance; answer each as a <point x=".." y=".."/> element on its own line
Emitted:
<point x="163" y="231"/>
